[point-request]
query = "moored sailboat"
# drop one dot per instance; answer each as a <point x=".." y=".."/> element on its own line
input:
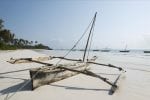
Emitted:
<point x="125" y="50"/>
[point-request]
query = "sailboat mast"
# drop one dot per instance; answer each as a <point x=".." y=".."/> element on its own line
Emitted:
<point x="89" y="36"/>
<point x="126" y="47"/>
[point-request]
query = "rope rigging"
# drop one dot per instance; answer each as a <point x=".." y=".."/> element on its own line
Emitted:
<point x="92" y="28"/>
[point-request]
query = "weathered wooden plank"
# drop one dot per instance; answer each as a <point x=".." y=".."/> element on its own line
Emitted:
<point x="27" y="60"/>
<point x="109" y="65"/>
<point x="46" y="75"/>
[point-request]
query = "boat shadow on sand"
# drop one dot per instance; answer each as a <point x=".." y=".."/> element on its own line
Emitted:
<point x="28" y="87"/>
<point x="78" y="88"/>
<point x="18" y="87"/>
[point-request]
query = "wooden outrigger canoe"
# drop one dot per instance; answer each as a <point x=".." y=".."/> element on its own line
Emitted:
<point x="46" y="75"/>
<point x="52" y="73"/>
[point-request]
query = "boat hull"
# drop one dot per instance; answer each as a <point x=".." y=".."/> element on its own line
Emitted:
<point x="146" y="51"/>
<point x="45" y="75"/>
<point x="105" y="50"/>
<point x="125" y="51"/>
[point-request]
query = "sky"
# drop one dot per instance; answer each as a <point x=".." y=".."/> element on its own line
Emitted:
<point x="60" y="23"/>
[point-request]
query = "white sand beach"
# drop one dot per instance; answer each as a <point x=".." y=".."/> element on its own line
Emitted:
<point x="134" y="85"/>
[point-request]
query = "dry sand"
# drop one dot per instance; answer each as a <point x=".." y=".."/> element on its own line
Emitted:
<point x="134" y="85"/>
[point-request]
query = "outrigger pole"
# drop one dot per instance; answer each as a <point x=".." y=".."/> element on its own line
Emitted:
<point x="89" y="36"/>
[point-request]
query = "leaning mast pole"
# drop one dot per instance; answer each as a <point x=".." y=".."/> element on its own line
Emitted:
<point x="89" y="37"/>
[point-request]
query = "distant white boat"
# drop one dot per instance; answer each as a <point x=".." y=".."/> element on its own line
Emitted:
<point x="95" y="50"/>
<point x="125" y="50"/>
<point x="105" y="50"/>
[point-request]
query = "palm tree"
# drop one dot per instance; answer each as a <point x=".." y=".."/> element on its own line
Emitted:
<point x="26" y="42"/>
<point x="15" y="41"/>
<point x="12" y="36"/>
<point x="1" y="24"/>
<point x="36" y="42"/>
<point x="31" y="42"/>
<point x="6" y="36"/>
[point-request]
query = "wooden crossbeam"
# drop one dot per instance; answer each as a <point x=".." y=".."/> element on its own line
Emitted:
<point x="67" y="58"/>
<point x="89" y="73"/>
<point x="109" y="65"/>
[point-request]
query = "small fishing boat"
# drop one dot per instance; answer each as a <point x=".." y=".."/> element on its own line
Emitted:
<point x="105" y="50"/>
<point x="146" y="51"/>
<point x="96" y="50"/>
<point x="125" y="50"/>
<point x="81" y="50"/>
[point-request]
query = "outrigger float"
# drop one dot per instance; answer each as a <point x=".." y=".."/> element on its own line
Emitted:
<point x="56" y="72"/>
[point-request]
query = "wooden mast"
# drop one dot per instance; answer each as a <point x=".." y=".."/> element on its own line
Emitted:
<point x="89" y="37"/>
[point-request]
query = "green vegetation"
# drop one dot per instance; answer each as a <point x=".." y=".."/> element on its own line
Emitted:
<point x="8" y="41"/>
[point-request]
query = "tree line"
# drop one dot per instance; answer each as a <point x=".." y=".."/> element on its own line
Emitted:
<point x="8" y="40"/>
